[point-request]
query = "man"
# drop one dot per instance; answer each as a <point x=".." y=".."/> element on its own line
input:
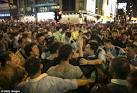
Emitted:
<point x="96" y="56"/>
<point x="113" y="51"/>
<point x="42" y="83"/>
<point x="96" y="59"/>
<point x="132" y="54"/>
<point x="119" y="69"/>
<point x="32" y="50"/>
<point x="64" y="69"/>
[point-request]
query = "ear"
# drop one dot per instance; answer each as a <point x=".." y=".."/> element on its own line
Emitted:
<point x="41" y="66"/>
<point x="31" y="53"/>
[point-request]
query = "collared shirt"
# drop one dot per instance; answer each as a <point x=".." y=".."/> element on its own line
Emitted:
<point x="119" y="82"/>
<point x="117" y="51"/>
<point x="47" y="84"/>
<point x="133" y="61"/>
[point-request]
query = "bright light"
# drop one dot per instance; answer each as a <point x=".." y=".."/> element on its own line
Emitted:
<point x="5" y="15"/>
<point x="45" y="15"/>
<point x="91" y="6"/>
<point x="112" y="7"/>
<point x="122" y="6"/>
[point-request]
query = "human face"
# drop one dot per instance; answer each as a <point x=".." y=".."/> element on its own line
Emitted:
<point x="114" y="34"/>
<point x="125" y="37"/>
<point x="35" y="50"/>
<point x="41" y="39"/>
<point x="14" y="59"/>
<point x="131" y="52"/>
<point x="107" y="45"/>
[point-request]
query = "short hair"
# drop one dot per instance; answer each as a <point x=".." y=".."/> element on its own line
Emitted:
<point x="54" y="47"/>
<point x="32" y="66"/>
<point x="120" y="67"/>
<point x="107" y="41"/>
<point x="39" y="35"/>
<point x="28" y="48"/>
<point x="133" y="76"/>
<point x="4" y="57"/>
<point x="94" y="44"/>
<point x="64" y="52"/>
<point x="68" y="34"/>
<point x="133" y="46"/>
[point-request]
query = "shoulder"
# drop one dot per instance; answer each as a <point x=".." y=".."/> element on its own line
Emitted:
<point x="53" y="68"/>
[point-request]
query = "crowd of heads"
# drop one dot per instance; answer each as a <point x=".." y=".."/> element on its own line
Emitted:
<point x="63" y="50"/>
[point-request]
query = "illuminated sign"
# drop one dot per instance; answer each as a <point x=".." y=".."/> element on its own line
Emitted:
<point x="91" y="6"/>
<point x="45" y="15"/>
<point x="122" y="6"/>
<point x="4" y="14"/>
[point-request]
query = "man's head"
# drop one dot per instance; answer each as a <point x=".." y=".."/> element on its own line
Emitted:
<point x="107" y="44"/>
<point x="40" y="38"/>
<point x="94" y="44"/>
<point x="114" y="33"/>
<point x="33" y="66"/>
<point x="32" y="50"/>
<point x="132" y="78"/>
<point x="65" y="52"/>
<point x="132" y="50"/>
<point x="53" y="48"/>
<point x="125" y="36"/>
<point x="119" y="68"/>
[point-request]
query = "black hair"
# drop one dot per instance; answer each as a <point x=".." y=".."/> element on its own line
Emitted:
<point x="32" y="66"/>
<point x="64" y="52"/>
<point x="39" y="35"/>
<point x="100" y="88"/>
<point x="107" y="41"/>
<point x="68" y="34"/>
<point x="94" y="44"/>
<point x="4" y="57"/>
<point x="120" y="67"/>
<point x="133" y="76"/>
<point x="133" y="46"/>
<point x="54" y="47"/>
<point x="1" y="36"/>
<point x="28" y="49"/>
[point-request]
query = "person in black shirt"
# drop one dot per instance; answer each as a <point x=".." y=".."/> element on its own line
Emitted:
<point x="119" y="69"/>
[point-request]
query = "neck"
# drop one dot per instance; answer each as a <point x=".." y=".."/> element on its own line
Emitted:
<point x="36" y="75"/>
<point x="54" y="55"/>
<point x="65" y="62"/>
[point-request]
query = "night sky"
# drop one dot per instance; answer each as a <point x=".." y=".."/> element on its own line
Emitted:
<point x="135" y="7"/>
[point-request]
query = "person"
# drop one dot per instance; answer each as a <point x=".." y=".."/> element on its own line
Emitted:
<point x="95" y="61"/>
<point x="113" y="51"/>
<point x="132" y="55"/>
<point x="119" y="70"/>
<point x="32" y="50"/>
<point x="132" y="81"/>
<point x="40" y="41"/>
<point x="100" y="89"/>
<point x="97" y="54"/>
<point x="115" y="37"/>
<point x="42" y="83"/>
<point x="65" y="69"/>
<point x="52" y="60"/>
<point x="124" y="41"/>
<point x="10" y="73"/>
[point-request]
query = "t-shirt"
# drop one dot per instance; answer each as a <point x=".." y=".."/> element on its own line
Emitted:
<point x="67" y="72"/>
<point x="47" y="84"/>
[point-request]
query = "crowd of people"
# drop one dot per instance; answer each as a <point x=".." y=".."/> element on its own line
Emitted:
<point x="50" y="57"/>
